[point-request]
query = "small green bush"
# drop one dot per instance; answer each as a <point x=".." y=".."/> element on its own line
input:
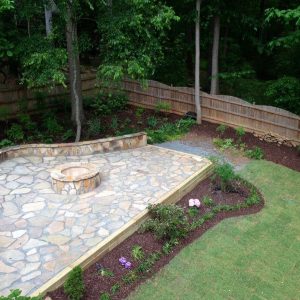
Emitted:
<point x="94" y="126"/>
<point x="137" y="252"/>
<point x="139" y="112"/>
<point x="193" y="212"/>
<point x="224" y="174"/>
<point x="167" y="222"/>
<point x="68" y="135"/>
<point x="114" y="123"/>
<point x="221" y="129"/>
<point x="74" y="285"/>
<point x="253" y="199"/>
<point x="130" y="277"/>
<point x="17" y="295"/>
<point x="52" y="126"/>
<point x="148" y="263"/>
<point x="255" y="153"/>
<point x="152" y="122"/>
<point x="162" y="106"/>
<point x="223" y="144"/>
<point x="208" y="201"/>
<point x="5" y="143"/>
<point x="106" y="273"/>
<point x="239" y="132"/>
<point x="115" y="288"/>
<point x="105" y="296"/>
<point x="107" y="103"/>
<point x="15" y="133"/>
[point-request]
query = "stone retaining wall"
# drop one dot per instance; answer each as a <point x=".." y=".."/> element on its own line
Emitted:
<point x="74" y="149"/>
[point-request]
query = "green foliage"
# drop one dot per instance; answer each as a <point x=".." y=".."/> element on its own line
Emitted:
<point x="137" y="252"/>
<point x="139" y="112"/>
<point x="221" y="129"/>
<point x="255" y="153"/>
<point x="167" y="222"/>
<point x="94" y="126"/>
<point x="27" y="123"/>
<point x="169" y="131"/>
<point x="68" y="134"/>
<point x="253" y="199"/>
<point x="193" y="211"/>
<point x="5" y="143"/>
<point x="152" y="122"/>
<point x="52" y="126"/>
<point x="207" y="201"/>
<point x="4" y="111"/>
<point x="106" y="273"/>
<point x="130" y="277"/>
<point x="107" y="103"/>
<point x="240" y="132"/>
<point x="74" y="285"/>
<point x="224" y="175"/>
<point x="45" y="68"/>
<point x="148" y="263"/>
<point x="15" y="133"/>
<point x="162" y="106"/>
<point x="169" y="246"/>
<point x="105" y="296"/>
<point x="115" y="288"/>
<point x="285" y="93"/>
<point x="17" y="295"/>
<point x="223" y="144"/>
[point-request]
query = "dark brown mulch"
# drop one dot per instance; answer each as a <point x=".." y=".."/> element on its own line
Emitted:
<point x="96" y="284"/>
<point x="279" y="154"/>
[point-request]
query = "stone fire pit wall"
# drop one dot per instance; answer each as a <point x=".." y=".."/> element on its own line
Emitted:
<point x="124" y="142"/>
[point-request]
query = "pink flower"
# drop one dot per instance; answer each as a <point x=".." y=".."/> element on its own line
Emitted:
<point x="194" y="202"/>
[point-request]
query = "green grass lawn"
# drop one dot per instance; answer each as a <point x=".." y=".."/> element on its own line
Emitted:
<point x="252" y="257"/>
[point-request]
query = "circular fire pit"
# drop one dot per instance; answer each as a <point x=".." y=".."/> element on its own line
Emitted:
<point x="75" y="178"/>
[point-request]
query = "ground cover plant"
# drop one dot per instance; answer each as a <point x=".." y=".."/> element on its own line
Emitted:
<point x="170" y="228"/>
<point x="250" y="257"/>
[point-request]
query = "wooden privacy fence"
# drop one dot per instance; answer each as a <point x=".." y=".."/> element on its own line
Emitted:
<point x="227" y="110"/>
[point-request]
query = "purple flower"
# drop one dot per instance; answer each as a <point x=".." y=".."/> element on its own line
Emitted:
<point x="128" y="265"/>
<point x="122" y="261"/>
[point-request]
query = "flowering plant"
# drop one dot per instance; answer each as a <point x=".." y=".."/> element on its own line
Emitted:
<point x="128" y="265"/>
<point x="122" y="261"/>
<point x="194" y="202"/>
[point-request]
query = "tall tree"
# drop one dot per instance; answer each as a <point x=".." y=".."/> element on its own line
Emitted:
<point x="74" y="68"/>
<point x="214" y="88"/>
<point x="197" y="62"/>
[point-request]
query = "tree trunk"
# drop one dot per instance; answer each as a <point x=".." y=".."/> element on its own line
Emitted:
<point x="74" y="70"/>
<point x="50" y="8"/>
<point x="197" y="62"/>
<point x="214" y="87"/>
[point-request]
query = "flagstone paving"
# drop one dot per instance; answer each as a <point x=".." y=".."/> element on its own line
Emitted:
<point x="42" y="232"/>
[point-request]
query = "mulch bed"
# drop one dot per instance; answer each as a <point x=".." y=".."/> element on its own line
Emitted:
<point x="96" y="284"/>
<point x="279" y="154"/>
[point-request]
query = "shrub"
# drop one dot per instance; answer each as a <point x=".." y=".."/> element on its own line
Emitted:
<point x="148" y="263"/>
<point x="253" y="199"/>
<point x="17" y="295"/>
<point x="137" y="252"/>
<point x="223" y="144"/>
<point x="52" y="126"/>
<point x="74" y="285"/>
<point x="114" y="123"/>
<point x="107" y="103"/>
<point x="94" y="126"/>
<point x="162" y="106"/>
<point x="193" y="211"/>
<point x="5" y="143"/>
<point x="139" y="112"/>
<point x="105" y="296"/>
<point x="106" y="272"/>
<point x="167" y="222"/>
<point x="152" y="122"/>
<point x="168" y="246"/>
<point x="208" y="201"/>
<point x="240" y="132"/>
<point x="255" y="153"/>
<point x="115" y="288"/>
<point x="130" y="277"/>
<point x="224" y="175"/>
<point x="15" y="133"/>
<point x="221" y="129"/>
<point x="68" y="135"/>
<point x="26" y="122"/>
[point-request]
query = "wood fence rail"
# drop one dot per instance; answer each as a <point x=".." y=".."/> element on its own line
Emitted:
<point x="227" y="110"/>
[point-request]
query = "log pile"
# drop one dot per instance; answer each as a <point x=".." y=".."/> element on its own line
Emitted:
<point x="273" y="138"/>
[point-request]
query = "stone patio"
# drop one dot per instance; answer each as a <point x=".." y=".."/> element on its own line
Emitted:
<point x="42" y="232"/>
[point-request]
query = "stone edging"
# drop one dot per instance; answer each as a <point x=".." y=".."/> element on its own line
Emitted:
<point x="97" y="252"/>
<point x="73" y="149"/>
